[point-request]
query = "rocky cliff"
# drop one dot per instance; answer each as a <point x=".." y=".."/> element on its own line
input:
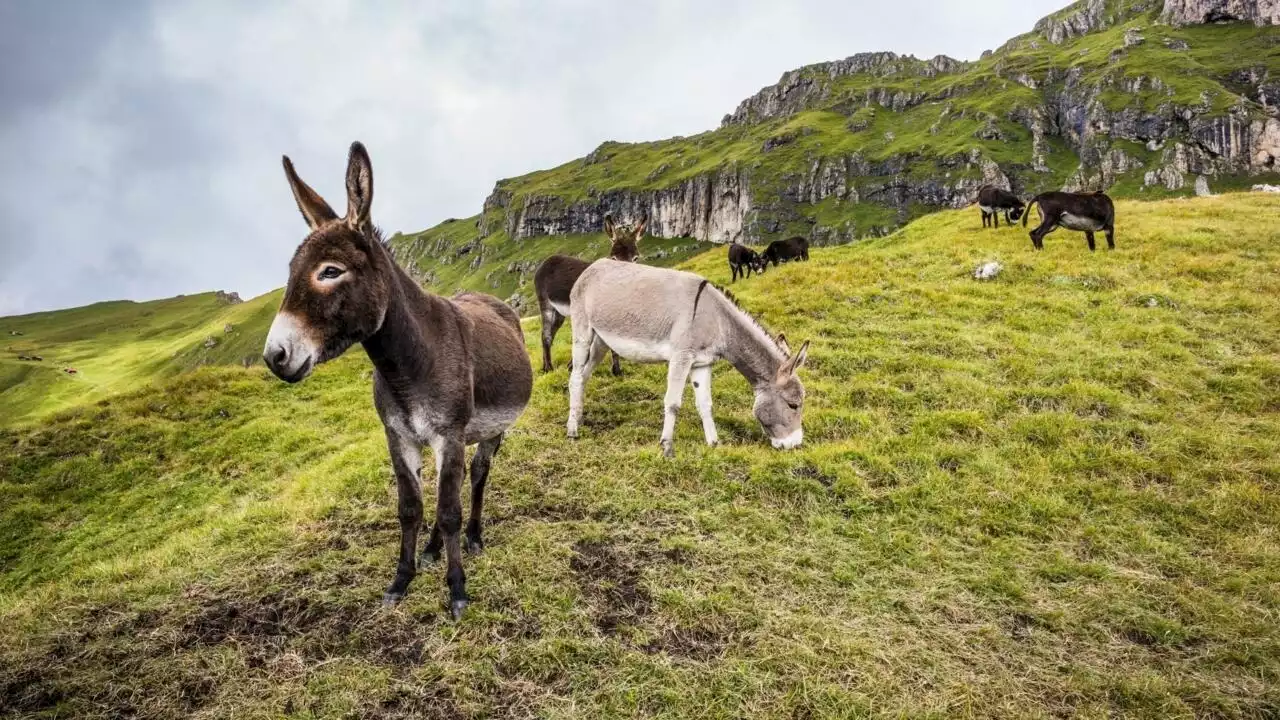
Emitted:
<point x="1138" y="97"/>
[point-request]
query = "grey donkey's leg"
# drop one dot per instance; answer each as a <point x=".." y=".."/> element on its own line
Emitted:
<point x="701" y="378"/>
<point x="485" y="452"/>
<point x="588" y="350"/>
<point x="677" y="375"/>
<point x="617" y="366"/>
<point x="406" y="460"/>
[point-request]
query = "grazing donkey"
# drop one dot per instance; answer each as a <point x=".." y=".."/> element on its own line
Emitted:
<point x="993" y="201"/>
<point x="1085" y="212"/>
<point x="650" y="315"/>
<point x="743" y="260"/>
<point x="786" y="250"/>
<point x="557" y="274"/>
<point x="446" y="373"/>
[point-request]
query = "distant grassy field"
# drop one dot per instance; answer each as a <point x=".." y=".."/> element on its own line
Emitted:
<point x="1049" y="495"/>
<point x="117" y="346"/>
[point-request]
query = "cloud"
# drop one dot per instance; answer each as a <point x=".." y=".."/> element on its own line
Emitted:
<point x="143" y="140"/>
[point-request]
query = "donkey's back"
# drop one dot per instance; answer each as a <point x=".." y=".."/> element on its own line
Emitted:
<point x="643" y="313"/>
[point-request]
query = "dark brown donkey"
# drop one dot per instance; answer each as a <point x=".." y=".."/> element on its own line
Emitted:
<point x="1085" y="212"/>
<point x="557" y="274"/>
<point x="448" y="373"/>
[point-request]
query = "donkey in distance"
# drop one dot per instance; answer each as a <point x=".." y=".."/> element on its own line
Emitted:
<point x="556" y="275"/>
<point x="1084" y="212"/>
<point x="652" y="315"/>
<point x="993" y="201"/>
<point x="448" y="373"/>
<point x="743" y="261"/>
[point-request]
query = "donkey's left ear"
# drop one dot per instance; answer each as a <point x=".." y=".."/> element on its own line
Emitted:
<point x="608" y="225"/>
<point x="790" y="367"/>
<point x="640" y="229"/>
<point x="359" y="188"/>
<point x="783" y="346"/>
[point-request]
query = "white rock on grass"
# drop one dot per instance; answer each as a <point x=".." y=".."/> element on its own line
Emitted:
<point x="1267" y="188"/>
<point x="987" y="271"/>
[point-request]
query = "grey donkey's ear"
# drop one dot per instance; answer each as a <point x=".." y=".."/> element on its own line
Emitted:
<point x="783" y="346"/>
<point x="313" y="207"/>
<point x="359" y="188"/>
<point x="608" y="225"/>
<point x="796" y="362"/>
<point x="639" y="232"/>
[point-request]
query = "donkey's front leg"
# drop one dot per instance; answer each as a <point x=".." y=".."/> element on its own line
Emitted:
<point x="452" y="467"/>
<point x="677" y="376"/>
<point x="701" y="378"/>
<point x="588" y="350"/>
<point x="406" y="459"/>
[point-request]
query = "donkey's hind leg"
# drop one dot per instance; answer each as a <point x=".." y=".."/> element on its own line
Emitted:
<point x="701" y="378"/>
<point x="588" y="350"/>
<point x="551" y="322"/>
<point x="1111" y="238"/>
<point x="677" y="375"/>
<point x="485" y="452"/>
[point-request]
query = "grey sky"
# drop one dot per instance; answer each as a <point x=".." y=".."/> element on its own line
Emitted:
<point x="142" y="140"/>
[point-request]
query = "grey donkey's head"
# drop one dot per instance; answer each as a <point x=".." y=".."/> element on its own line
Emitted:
<point x="780" y="401"/>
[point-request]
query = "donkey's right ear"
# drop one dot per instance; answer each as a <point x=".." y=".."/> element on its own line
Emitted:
<point x="783" y="346"/>
<point x="608" y="225"/>
<point x="314" y="209"/>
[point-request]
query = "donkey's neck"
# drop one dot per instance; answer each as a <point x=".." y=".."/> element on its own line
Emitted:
<point x="747" y="346"/>
<point x="397" y="349"/>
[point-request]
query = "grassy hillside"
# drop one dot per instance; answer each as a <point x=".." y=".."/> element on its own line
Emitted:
<point x="845" y="155"/>
<point x="117" y="346"/>
<point x="454" y="256"/>
<point x="1049" y="495"/>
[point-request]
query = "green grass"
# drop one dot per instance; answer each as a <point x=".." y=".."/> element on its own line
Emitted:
<point x="1049" y="495"/>
<point x="116" y="346"/>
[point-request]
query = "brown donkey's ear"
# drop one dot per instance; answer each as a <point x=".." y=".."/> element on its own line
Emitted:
<point x="608" y="225"/>
<point x="314" y="209"/>
<point x="782" y="345"/>
<point x="640" y="229"/>
<point x="359" y="188"/>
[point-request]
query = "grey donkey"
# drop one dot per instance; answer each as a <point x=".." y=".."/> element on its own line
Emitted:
<point x="650" y="315"/>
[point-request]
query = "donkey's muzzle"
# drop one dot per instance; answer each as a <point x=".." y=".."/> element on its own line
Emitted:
<point x="288" y="352"/>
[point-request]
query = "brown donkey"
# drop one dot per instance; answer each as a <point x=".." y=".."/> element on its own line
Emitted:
<point x="556" y="275"/>
<point x="448" y="373"/>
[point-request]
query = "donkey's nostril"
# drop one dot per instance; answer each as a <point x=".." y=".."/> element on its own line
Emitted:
<point x="277" y="356"/>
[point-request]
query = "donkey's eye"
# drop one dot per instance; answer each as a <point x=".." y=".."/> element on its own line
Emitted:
<point x="330" y="272"/>
<point x="793" y="406"/>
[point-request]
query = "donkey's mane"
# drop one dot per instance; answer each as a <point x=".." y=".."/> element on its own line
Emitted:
<point x="754" y="320"/>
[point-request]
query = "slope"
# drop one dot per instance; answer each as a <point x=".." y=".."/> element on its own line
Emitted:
<point x="116" y="346"/>
<point x="1049" y="495"/>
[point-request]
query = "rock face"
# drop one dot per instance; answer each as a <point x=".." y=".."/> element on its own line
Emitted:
<point x="810" y="85"/>
<point x="1193" y="12"/>
<point x="712" y="207"/>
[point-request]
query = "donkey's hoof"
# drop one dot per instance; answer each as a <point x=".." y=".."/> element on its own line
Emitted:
<point x="428" y="557"/>
<point x="617" y="372"/>
<point x="668" y="450"/>
<point x="391" y="599"/>
<point x="458" y="607"/>
<point x="475" y="547"/>
<point x="572" y="434"/>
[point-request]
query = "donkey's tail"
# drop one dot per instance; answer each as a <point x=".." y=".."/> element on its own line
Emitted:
<point x="1026" y="215"/>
